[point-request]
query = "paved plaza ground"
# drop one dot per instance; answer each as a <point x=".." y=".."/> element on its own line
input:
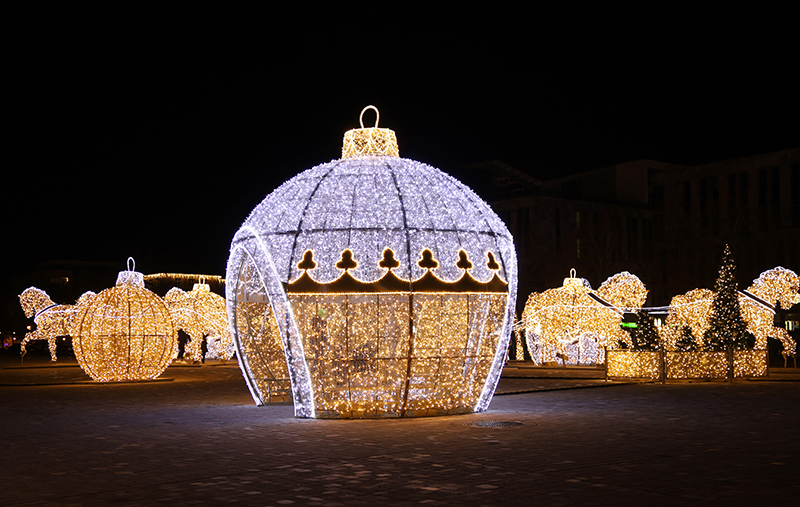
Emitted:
<point x="195" y="437"/>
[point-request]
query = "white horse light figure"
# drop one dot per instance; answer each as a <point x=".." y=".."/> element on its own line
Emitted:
<point x="52" y="320"/>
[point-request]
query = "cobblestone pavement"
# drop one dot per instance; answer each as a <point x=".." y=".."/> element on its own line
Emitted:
<point x="196" y="438"/>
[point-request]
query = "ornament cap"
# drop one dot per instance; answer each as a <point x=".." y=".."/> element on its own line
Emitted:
<point x="129" y="276"/>
<point x="372" y="141"/>
<point x="201" y="285"/>
<point x="575" y="282"/>
<point x="572" y="280"/>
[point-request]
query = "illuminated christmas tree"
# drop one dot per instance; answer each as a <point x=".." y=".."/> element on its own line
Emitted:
<point x="686" y="341"/>
<point x="645" y="335"/>
<point x="727" y="327"/>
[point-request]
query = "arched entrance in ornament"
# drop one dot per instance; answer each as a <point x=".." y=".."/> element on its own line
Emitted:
<point x="257" y="336"/>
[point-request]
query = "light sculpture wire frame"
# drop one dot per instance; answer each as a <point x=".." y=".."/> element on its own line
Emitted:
<point x="689" y="316"/>
<point x="360" y="352"/>
<point x="124" y="332"/>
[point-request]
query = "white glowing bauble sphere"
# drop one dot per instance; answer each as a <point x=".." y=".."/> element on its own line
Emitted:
<point x="366" y="205"/>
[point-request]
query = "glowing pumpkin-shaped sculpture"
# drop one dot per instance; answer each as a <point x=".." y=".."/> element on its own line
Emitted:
<point x="124" y="332"/>
<point x="372" y="286"/>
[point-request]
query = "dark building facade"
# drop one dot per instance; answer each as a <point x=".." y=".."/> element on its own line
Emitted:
<point x="665" y="223"/>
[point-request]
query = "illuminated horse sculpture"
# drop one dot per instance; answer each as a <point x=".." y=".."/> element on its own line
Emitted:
<point x="572" y="322"/>
<point x="776" y="285"/>
<point x="757" y="302"/>
<point x="200" y="313"/>
<point x="52" y="320"/>
<point x="692" y="310"/>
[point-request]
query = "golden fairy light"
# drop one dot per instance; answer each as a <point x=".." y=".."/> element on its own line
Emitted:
<point x="372" y="286"/>
<point x="572" y="323"/>
<point x="688" y="313"/>
<point x="201" y="314"/>
<point x="124" y="332"/>
<point x="369" y="141"/>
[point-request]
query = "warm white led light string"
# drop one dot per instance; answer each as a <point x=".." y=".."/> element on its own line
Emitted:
<point x="402" y="353"/>
<point x="693" y="310"/>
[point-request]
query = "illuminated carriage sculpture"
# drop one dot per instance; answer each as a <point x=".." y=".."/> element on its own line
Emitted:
<point x="573" y="323"/>
<point x="372" y="286"/>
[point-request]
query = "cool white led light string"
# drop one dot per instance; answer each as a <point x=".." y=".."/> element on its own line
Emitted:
<point x="377" y="355"/>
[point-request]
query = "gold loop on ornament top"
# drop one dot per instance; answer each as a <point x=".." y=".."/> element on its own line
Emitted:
<point x="361" y="116"/>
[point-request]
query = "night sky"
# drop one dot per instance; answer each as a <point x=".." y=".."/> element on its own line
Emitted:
<point x="154" y="139"/>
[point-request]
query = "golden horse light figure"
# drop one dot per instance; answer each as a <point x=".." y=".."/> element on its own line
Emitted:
<point x="52" y="320"/>
<point x="776" y="285"/>
<point x="200" y="313"/>
<point x="692" y="310"/>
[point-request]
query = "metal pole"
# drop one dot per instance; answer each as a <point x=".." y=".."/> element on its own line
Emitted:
<point x="730" y="364"/>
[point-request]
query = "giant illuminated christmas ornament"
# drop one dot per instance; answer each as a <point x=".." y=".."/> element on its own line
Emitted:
<point x="571" y="323"/>
<point x="201" y="314"/>
<point x="52" y="320"/>
<point x="124" y="332"/>
<point x="372" y="286"/>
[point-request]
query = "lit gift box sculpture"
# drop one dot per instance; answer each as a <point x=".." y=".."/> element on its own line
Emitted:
<point x="124" y="332"/>
<point x="372" y="286"/>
